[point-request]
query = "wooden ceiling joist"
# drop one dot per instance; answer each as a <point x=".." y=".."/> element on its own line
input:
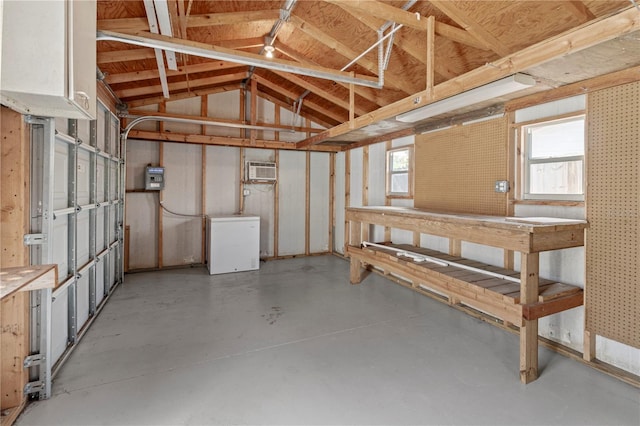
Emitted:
<point x="182" y="85"/>
<point x="289" y="107"/>
<point x="125" y="55"/>
<point x="187" y="69"/>
<point x="319" y="91"/>
<point x="393" y="79"/>
<point x="293" y="96"/>
<point x="571" y="41"/>
<point x="220" y="140"/>
<point x="191" y="93"/>
<point x="467" y="22"/>
<point x="385" y="12"/>
<point x="207" y="20"/>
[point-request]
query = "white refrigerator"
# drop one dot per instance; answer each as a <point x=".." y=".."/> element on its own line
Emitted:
<point x="233" y="243"/>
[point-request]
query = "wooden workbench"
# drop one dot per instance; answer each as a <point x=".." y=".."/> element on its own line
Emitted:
<point x="529" y="236"/>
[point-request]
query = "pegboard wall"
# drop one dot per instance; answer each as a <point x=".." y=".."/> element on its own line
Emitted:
<point x="612" y="305"/>
<point x="456" y="169"/>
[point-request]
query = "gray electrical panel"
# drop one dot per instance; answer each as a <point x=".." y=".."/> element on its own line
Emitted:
<point x="154" y="178"/>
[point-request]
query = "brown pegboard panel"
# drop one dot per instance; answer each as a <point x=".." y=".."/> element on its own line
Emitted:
<point x="456" y="169"/>
<point x="612" y="306"/>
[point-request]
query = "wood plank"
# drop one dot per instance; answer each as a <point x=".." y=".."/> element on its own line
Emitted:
<point x="128" y="77"/>
<point x="27" y="278"/>
<point x="579" y="10"/>
<point x="471" y="26"/>
<point x="347" y="197"/>
<point x="219" y="140"/>
<point x="125" y="55"/>
<point x="373" y="140"/>
<point x="182" y="85"/>
<point x="205" y="20"/>
<point x="332" y="194"/>
<point x="533" y="311"/>
<point x="529" y="331"/>
<point x="191" y="93"/>
<point x="393" y="79"/>
<point x="307" y="202"/>
<point x="566" y="43"/>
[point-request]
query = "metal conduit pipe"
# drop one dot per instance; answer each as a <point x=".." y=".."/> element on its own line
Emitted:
<point x="139" y="119"/>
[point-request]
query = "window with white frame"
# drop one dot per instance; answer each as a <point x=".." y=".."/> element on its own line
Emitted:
<point x="400" y="172"/>
<point x="554" y="159"/>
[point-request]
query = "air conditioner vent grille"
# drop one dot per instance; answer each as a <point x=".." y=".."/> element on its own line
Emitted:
<point x="257" y="170"/>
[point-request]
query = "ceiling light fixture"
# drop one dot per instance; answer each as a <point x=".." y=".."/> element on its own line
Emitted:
<point x="505" y="86"/>
<point x="269" y="50"/>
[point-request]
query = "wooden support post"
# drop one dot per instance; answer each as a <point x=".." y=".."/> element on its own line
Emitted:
<point x="14" y="210"/>
<point x="355" y="239"/>
<point x="160" y="209"/>
<point x="366" y="228"/>
<point x="254" y="107"/>
<point x="332" y="194"/>
<point x="347" y="195"/>
<point x="307" y="204"/>
<point x="431" y="49"/>
<point x="589" y="353"/>
<point x="243" y="111"/>
<point x="203" y="199"/>
<point x="529" y="329"/>
<point x="512" y="162"/>
<point x="352" y="102"/>
<point x="276" y="204"/>
<point x="455" y="247"/>
<point x="241" y="195"/>
<point x="127" y="244"/>
<point x="387" y="199"/>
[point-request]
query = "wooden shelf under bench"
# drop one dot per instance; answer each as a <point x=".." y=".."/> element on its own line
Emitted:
<point x="518" y="303"/>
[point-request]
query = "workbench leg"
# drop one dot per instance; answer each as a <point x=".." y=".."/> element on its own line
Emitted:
<point x="529" y="329"/>
<point x="589" y="353"/>
<point x="355" y="271"/>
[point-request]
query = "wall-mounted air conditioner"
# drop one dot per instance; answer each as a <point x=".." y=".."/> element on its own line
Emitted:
<point x="258" y="170"/>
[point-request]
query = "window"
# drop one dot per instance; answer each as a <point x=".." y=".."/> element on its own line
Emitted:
<point x="554" y="160"/>
<point x="399" y="172"/>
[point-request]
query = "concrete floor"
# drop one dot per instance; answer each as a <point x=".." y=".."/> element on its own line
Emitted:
<point x="296" y="344"/>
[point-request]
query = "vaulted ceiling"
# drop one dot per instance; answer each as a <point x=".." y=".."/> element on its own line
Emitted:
<point x="326" y="35"/>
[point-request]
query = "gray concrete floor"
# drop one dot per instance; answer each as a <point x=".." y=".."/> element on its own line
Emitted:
<point x="294" y="343"/>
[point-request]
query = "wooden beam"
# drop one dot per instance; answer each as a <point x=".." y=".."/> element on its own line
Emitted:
<point x="307" y="203"/>
<point x="368" y="93"/>
<point x="382" y="138"/>
<point x="578" y="9"/>
<point x="384" y="12"/>
<point x="294" y="96"/>
<point x="127" y="77"/>
<point x="182" y="85"/>
<point x="152" y="100"/>
<point x="222" y="120"/>
<point x="467" y="22"/>
<point x="206" y="20"/>
<point x="317" y="90"/>
<point x="431" y="54"/>
<point x="253" y="113"/>
<point x="395" y="80"/>
<point x="187" y="46"/>
<point x="332" y="194"/>
<point x="241" y="43"/>
<point x="125" y="55"/>
<point x="529" y="330"/>
<point x="220" y="140"/>
<point x="617" y="78"/>
<point x="566" y="43"/>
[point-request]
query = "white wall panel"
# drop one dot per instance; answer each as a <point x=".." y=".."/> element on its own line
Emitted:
<point x="222" y="180"/>
<point x="60" y="246"/>
<point x="288" y="118"/>
<point x="152" y="126"/>
<point x="82" y="181"/>
<point x="61" y="176"/>
<point x="59" y="324"/>
<point x="225" y="105"/>
<point x="377" y="182"/>
<point x="142" y="218"/>
<point x="399" y="236"/>
<point x="355" y="198"/>
<point x="82" y="300"/>
<point x="490" y="255"/>
<point x="99" y="282"/>
<point x="319" y="203"/>
<point x="550" y="109"/>
<point x="291" y="181"/>
<point x="82" y="238"/>
<point x="189" y="106"/>
<point x="406" y="140"/>
<point x="139" y="155"/>
<point x="182" y="235"/>
<point x="338" y="203"/>
<point x="265" y="114"/>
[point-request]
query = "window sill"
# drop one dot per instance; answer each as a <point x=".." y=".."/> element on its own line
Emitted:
<point x="400" y="197"/>
<point x="565" y="203"/>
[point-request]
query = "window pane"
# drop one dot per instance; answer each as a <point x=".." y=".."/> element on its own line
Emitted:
<point x="556" y="178"/>
<point x="563" y="139"/>
<point x="399" y="161"/>
<point x="400" y="183"/>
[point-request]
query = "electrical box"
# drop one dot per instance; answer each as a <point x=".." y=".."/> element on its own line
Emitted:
<point x="502" y="186"/>
<point x="154" y="178"/>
